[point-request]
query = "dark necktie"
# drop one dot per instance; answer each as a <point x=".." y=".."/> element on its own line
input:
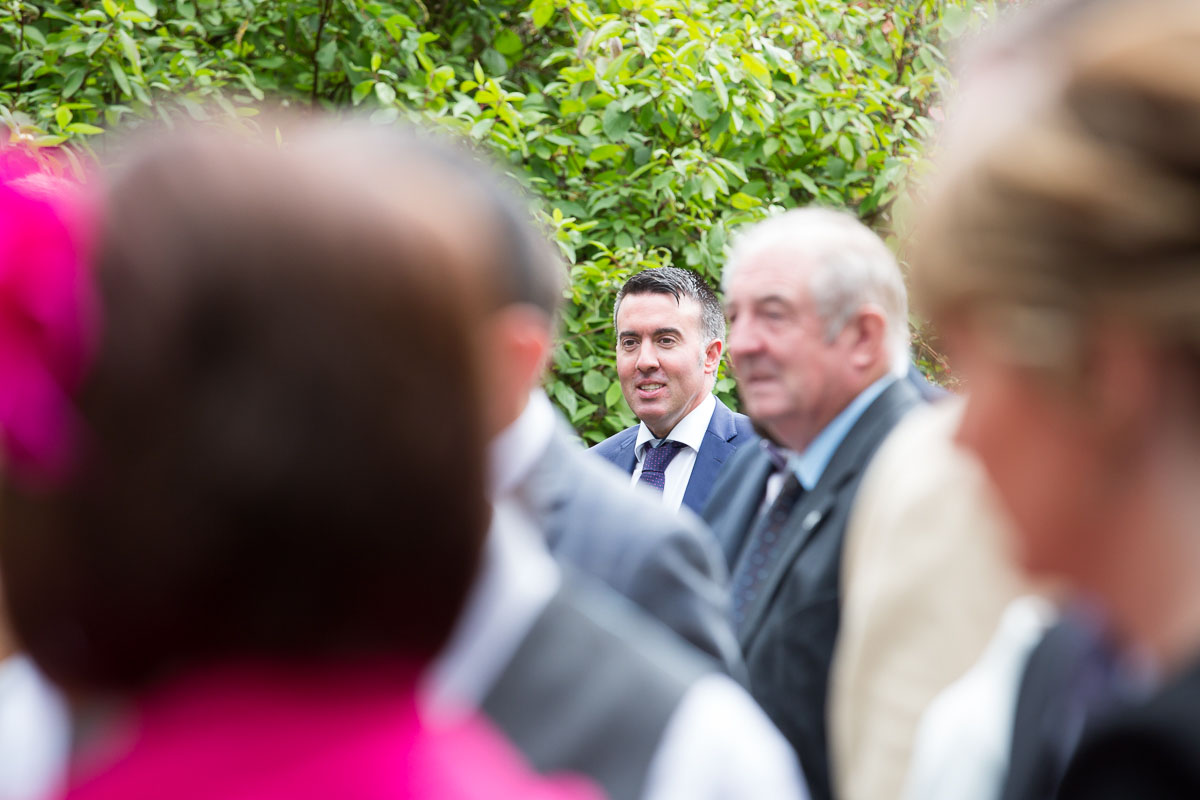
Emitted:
<point x="763" y="548"/>
<point x="654" y="463"/>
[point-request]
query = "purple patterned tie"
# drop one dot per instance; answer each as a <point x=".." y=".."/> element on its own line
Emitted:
<point x="654" y="463"/>
<point x="762" y="549"/>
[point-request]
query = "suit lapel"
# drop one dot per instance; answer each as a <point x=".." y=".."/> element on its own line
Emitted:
<point x="626" y="454"/>
<point x="737" y="514"/>
<point x="807" y="517"/>
<point x="710" y="458"/>
<point x="815" y="507"/>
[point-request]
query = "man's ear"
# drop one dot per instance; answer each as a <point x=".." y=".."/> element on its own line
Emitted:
<point x="1126" y="386"/>
<point x="516" y="347"/>
<point x="712" y="356"/>
<point x="866" y="334"/>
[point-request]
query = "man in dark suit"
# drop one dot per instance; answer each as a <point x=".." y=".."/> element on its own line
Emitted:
<point x="818" y="338"/>
<point x="670" y="335"/>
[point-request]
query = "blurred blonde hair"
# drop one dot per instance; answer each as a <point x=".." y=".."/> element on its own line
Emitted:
<point x="1089" y="204"/>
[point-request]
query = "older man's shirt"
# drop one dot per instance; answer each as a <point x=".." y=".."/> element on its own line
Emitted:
<point x="810" y="465"/>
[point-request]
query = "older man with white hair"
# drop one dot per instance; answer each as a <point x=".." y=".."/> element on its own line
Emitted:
<point x="818" y="339"/>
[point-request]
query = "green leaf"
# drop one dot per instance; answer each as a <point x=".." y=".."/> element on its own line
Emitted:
<point x="110" y="8"/>
<point x="807" y="182"/>
<point x="605" y="152"/>
<point x="566" y="397"/>
<point x="955" y="21"/>
<point x="846" y="148"/>
<point x="615" y="122"/>
<point x="508" y="43"/>
<point x="495" y="63"/>
<point x="594" y="382"/>
<point x="84" y="128"/>
<point x="719" y="87"/>
<point x="327" y="54"/>
<point x="130" y="51"/>
<point x="541" y="11"/>
<point x="63" y="117"/>
<point x="147" y="7"/>
<point x="742" y="201"/>
<point x="385" y="93"/>
<point x="756" y="67"/>
<point x="703" y="106"/>
<point x="646" y="39"/>
<point x="361" y="90"/>
<point x="613" y="396"/>
<point x="118" y="73"/>
<point x="74" y="81"/>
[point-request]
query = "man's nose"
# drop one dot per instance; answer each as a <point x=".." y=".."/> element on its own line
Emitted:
<point x="647" y="358"/>
<point x="743" y="338"/>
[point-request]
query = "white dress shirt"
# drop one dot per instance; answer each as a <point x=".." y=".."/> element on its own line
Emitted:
<point x="962" y="743"/>
<point x="34" y="732"/>
<point x="516" y="449"/>
<point x="718" y="744"/>
<point x="689" y="432"/>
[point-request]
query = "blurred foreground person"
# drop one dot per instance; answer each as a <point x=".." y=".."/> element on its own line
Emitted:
<point x="576" y="675"/>
<point x="818" y="336"/>
<point x="236" y="526"/>
<point x="34" y="726"/>
<point x="926" y="577"/>
<point x="1061" y="261"/>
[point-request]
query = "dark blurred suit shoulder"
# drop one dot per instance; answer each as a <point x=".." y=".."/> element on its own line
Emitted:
<point x="1150" y="751"/>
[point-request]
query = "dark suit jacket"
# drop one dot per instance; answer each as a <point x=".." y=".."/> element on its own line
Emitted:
<point x="727" y="431"/>
<point x="788" y="634"/>
<point x="1151" y="751"/>
<point x="1068" y="687"/>
<point x="668" y="563"/>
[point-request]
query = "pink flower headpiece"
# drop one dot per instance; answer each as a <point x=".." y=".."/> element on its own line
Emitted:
<point x="48" y="317"/>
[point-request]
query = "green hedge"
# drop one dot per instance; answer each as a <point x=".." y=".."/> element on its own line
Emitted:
<point x="645" y="130"/>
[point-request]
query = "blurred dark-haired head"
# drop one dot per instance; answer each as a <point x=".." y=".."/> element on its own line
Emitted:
<point x="283" y="439"/>
<point x="513" y="263"/>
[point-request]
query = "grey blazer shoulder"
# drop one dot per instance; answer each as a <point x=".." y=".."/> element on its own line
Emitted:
<point x="727" y="431"/>
<point x="666" y="563"/>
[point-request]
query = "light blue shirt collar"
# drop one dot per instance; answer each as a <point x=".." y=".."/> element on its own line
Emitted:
<point x="810" y="465"/>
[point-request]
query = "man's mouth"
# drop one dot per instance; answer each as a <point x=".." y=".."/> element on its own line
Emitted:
<point x="650" y="388"/>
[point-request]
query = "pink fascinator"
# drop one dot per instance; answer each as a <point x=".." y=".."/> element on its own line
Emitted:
<point x="48" y="319"/>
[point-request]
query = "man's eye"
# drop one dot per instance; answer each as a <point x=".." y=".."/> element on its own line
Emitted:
<point x="667" y="341"/>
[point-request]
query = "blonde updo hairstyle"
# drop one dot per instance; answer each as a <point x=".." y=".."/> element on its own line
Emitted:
<point x="1087" y="205"/>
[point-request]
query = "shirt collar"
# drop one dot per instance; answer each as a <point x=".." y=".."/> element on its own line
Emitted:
<point x="810" y="465"/>
<point x="516" y="449"/>
<point x="688" y="431"/>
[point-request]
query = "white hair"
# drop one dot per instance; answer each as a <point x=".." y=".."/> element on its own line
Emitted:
<point x="851" y="266"/>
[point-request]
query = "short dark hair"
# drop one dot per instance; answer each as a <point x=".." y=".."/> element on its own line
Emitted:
<point x="265" y="474"/>
<point x="679" y="283"/>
